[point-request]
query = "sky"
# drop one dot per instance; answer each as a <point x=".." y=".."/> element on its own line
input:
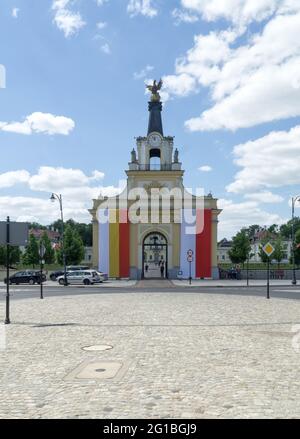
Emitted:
<point x="72" y="101"/>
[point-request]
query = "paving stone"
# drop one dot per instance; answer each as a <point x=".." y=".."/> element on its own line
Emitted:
<point x="188" y="355"/>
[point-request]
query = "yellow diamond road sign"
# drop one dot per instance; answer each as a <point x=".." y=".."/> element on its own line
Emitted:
<point x="268" y="249"/>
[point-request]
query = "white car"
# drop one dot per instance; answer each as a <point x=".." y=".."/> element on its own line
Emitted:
<point x="86" y="277"/>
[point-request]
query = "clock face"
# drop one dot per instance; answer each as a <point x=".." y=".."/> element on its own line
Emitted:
<point x="155" y="140"/>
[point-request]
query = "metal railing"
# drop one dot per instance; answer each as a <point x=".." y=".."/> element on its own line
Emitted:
<point x="259" y="274"/>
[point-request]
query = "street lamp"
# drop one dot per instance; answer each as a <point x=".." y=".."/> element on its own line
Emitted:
<point x="53" y="198"/>
<point x="294" y="201"/>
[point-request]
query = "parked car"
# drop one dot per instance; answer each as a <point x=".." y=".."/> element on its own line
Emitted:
<point x="103" y="276"/>
<point x="87" y="277"/>
<point x="58" y="273"/>
<point x="77" y="267"/>
<point x="26" y="277"/>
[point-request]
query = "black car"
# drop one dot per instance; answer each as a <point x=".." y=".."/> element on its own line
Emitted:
<point x="56" y="274"/>
<point x="26" y="277"/>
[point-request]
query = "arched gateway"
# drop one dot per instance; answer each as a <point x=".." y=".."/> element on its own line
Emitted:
<point x="155" y="256"/>
<point x="123" y="247"/>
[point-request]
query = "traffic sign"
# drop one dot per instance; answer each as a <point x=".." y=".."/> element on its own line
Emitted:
<point x="18" y="233"/>
<point x="268" y="249"/>
<point x="190" y="253"/>
<point x="190" y="258"/>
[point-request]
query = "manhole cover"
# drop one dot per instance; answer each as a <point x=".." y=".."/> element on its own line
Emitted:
<point x="98" y="370"/>
<point x="94" y="348"/>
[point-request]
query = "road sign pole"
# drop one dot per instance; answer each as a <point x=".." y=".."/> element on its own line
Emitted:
<point x="41" y="295"/>
<point x="268" y="279"/>
<point x="190" y="278"/>
<point x="42" y="254"/>
<point x="7" y="318"/>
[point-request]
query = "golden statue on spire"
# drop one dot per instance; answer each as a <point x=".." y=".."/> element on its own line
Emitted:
<point x="155" y="96"/>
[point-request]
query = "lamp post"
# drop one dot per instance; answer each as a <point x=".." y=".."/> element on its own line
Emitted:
<point x="294" y="201"/>
<point x="59" y="198"/>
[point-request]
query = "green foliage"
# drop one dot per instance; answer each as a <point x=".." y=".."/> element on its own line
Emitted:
<point x="31" y="256"/>
<point x="85" y="231"/>
<point x="278" y="254"/>
<point x="240" y="249"/>
<point x="297" y="249"/>
<point x="49" y="256"/>
<point x="14" y="255"/>
<point x="286" y="229"/>
<point x="74" y="248"/>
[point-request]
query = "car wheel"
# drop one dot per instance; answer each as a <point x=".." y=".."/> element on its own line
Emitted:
<point x="31" y="282"/>
<point x="86" y="282"/>
<point x="61" y="282"/>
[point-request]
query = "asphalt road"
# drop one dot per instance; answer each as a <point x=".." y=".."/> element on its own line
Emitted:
<point x="29" y="292"/>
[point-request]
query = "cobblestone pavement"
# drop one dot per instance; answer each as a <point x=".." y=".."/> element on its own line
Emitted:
<point x="185" y="355"/>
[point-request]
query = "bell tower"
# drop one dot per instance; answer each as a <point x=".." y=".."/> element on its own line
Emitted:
<point x="155" y="152"/>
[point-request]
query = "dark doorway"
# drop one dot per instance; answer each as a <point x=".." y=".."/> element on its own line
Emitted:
<point x="155" y="256"/>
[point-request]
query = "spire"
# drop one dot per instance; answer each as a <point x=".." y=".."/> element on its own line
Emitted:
<point x="155" y="108"/>
<point x="155" y="121"/>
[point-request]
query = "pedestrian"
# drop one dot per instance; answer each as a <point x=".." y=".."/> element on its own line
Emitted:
<point x="162" y="270"/>
<point x="147" y="268"/>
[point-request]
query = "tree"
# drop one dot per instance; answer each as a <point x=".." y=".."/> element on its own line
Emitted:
<point x="297" y="249"/>
<point x="14" y="255"/>
<point x="251" y="230"/>
<point x="74" y="248"/>
<point x="85" y="231"/>
<point x="273" y="229"/>
<point x="278" y="254"/>
<point x="240" y="249"/>
<point x="286" y="229"/>
<point x="49" y="256"/>
<point x="31" y="255"/>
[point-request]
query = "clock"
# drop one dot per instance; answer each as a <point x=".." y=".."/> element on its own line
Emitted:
<point x="155" y="140"/>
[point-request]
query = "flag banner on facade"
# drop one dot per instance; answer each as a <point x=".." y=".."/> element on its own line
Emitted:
<point x="199" y="243"/>
<point x="114" y="244"/>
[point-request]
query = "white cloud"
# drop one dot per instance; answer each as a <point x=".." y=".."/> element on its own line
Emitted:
<point x="180" y="85"/>
<point x="53" y="179"/>
<point x="77" y="189"/>
<point x="143" y="73"/>
<point x="105" y="48"/>
<point x="270" y="161"/>
<point x="15" y="12"/>
<point x="255" y="82"/>
<point x="205" y="168"/>
<point x="141" y="7"/>
<point x="101" y="2"/>
<point x="265" y="197"/>
<point x="236" y="11"/>
<point x="238" y="215"/>
<point x="181" y="16"/>
<point x="101" y="25"/>
<point x="65" y="19"/>
<point x="9" y="179"/>
<point x="38" y="122"/>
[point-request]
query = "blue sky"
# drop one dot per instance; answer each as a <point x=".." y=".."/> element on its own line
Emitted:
<point x="74" y="99"/>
